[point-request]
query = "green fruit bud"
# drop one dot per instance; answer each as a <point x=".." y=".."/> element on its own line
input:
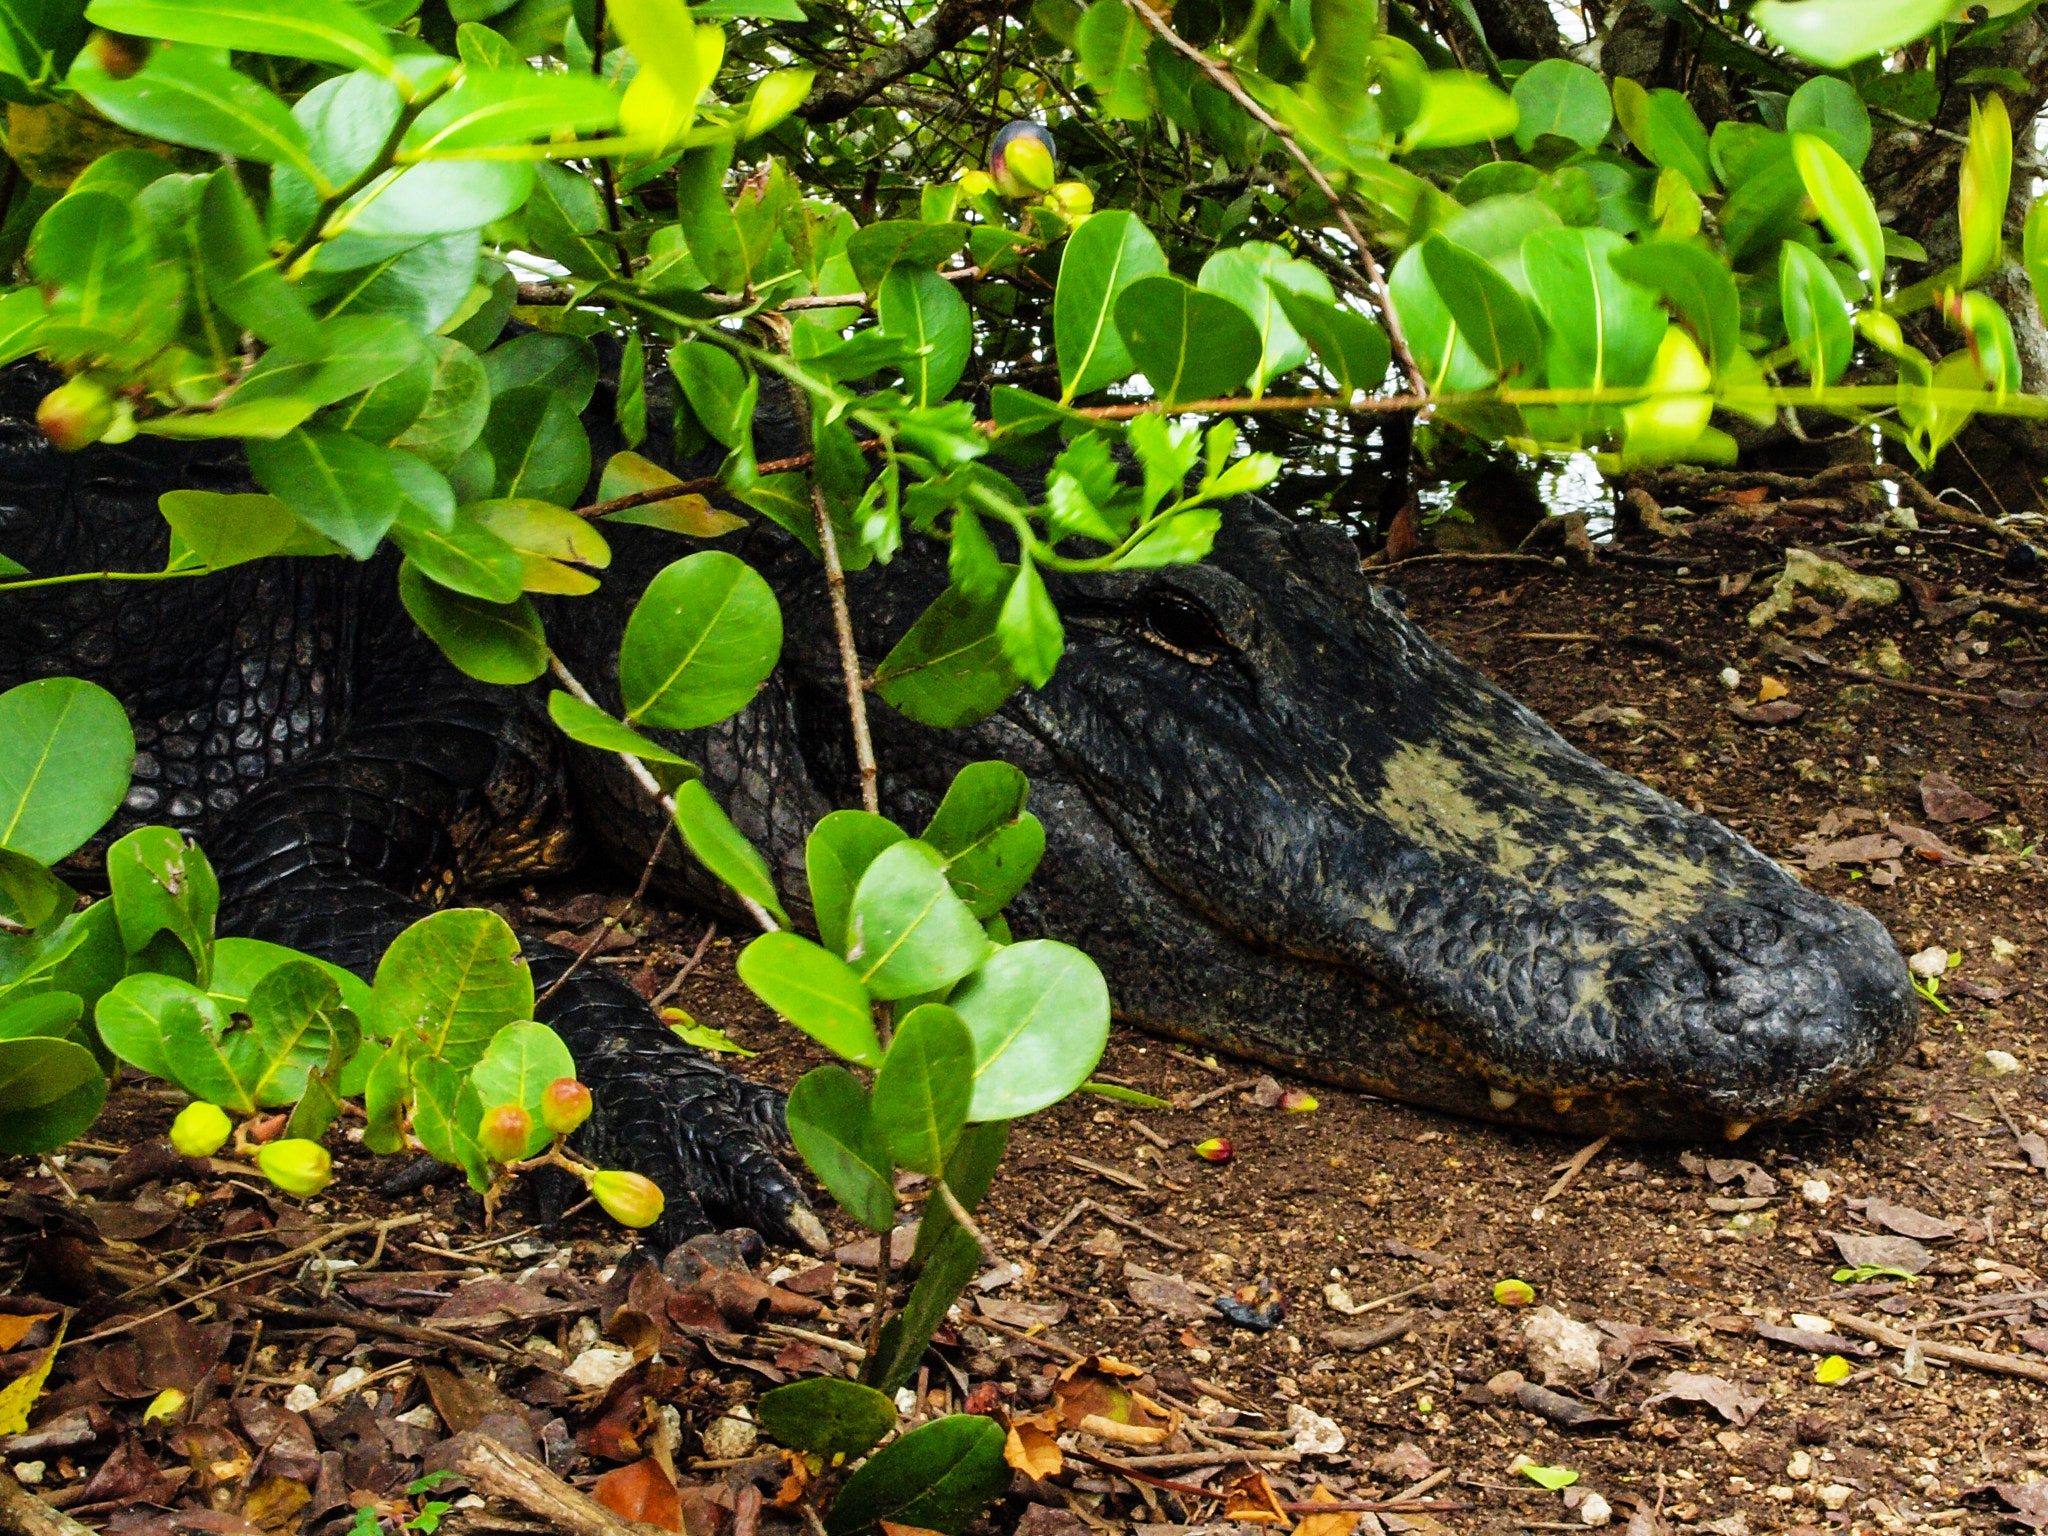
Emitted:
<point x="628" y="1198"/>
<point x="504" y="1132"/>
<point x="976" y="183"/>
<point x="565" y="1105"/>
<point x="1072" y="200"/>
<point x="296" y="1166"/>
<point x="120" y="55"/>
<point x="76" y="414"/>
<point x="201" y="1130"/>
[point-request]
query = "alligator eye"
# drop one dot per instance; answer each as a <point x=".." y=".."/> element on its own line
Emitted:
<point x="1180" y="625"/>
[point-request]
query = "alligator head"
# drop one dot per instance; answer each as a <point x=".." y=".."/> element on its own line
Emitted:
<point x="1290" y="825"/>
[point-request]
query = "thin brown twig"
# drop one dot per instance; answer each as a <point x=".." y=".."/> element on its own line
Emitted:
<point x="611" y="919"/>
<point x="675" y="982"/>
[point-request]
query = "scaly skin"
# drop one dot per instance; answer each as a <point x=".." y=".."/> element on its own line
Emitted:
<point x="1284" y="821"/>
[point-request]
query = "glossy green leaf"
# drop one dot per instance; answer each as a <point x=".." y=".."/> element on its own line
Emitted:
<point x="167" y="1027"/>
<point x="1830" y="109"/>
<point x="2034" y="252"/>
<point x="927" y="314"/>
<point x="1459" y="107"/>
<point x="563" y="365"/>
<point x="30" y="895"/>
<point x="1353" y="349"/>
<point x="297" y="1025"/>
<point x="816" y="991"/>
<point x="838" y="852"/>
<point x="1604" y="330"/>
<point x="1844" y="205"/>
<point x="1699" y="288"/>
<point x="949" y="1264"/>
<point x="1112" y="44"/>
<point x="1028" y="627"/>
<point x="724" y="850"/>
<point x="923" y="1087"/>
<point x="353" y="356"/>
<point x="969" y="1173"/>
<point x="458" y="405"/>
<point x="465" y="557"/>
<point x="516" y="1068"/>
<point x="716" y="386"/>
<point x="440" y="197"/>
<point x="91" y="261"/>
<point x="937" y="1478"/>
<point x="1102" y="258"/>
<point x="875" y="248"/>
<point x="445" y="1114"/>
<point x="332" y="31"/>
<point x="834" y="1131"/>
<point x="332" y="481"/>
<point x="509" y="106"/>
<point x="183" y="97"/>
<point x="1986" y="186"/>
<point x="1674" y="138"/>
<point x="826" y="1416"/>
<point x="50" y="1091"/>
<point x="703" y="638"/>
<point x="163" y="883"/>
<point x="1190" y="345"/>
<point x="1764" y="206"/>
<point x="451" y="981"/>
<point x="66" y="751"/>
<point x="1816" y="321"/>
<point x="990" y="843"/>
<point x="423" y="285"/>
<point x="1448" y="363"/>
<point x="907" y="932"/>
<point x="1039" y="1013"/>
<point x="1494" y="320"/>
<point x="45" y="1015"/>
<point x="1836" y="33"/>
<point x="1561" y="97"/>
<point x="538" y="446"/>
<point x="594" y="728"/>
<point x="1253" y="276"/>
<point x="948" y="670"/>
<point x="491" y="642"/>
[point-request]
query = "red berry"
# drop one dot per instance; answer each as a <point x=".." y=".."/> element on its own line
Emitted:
<point x="565" y="1105"/>
<point x="504" y="1133"/>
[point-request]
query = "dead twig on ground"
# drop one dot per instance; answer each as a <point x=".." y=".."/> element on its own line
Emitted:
<point x="1567" y="1172"/>
<point x="499" y="1472"/>
<point x="1955" y="1354"/>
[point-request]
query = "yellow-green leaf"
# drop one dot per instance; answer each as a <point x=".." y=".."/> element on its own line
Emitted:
<point x="1844" y="206"/>
<point x="1986" y="184"/>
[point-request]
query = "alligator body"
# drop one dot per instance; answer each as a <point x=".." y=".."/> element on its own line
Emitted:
<point x="1285" y="822"/>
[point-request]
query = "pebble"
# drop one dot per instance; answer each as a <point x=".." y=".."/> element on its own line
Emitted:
<point x="2001" y="1063"/>
<point x="597" y="1368"/>
<point x="1929" y="962"/>
<point x="1594" y="1510"/>
<point x="1815" y="1191"/>
<point x="346" y="1382"/>
<point x="302" y="1397"/>
<point x="1834" y="1496"/>
<point x="1800" y="1467"/>
<point x="729" y="1437"/>
<point x="1730" y="678"/>
<point x="28" y="1473"/>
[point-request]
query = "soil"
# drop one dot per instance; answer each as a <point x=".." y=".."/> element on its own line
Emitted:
<point x="1409" y="1213"/>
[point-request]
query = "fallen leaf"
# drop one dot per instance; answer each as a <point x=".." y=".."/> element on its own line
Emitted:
<point x="1811" y="1341"/>
<point x="1021" y="1314"/>
<point x="1923" y="842"/>
<point x="1755" y="1182"/>
<point x="274" y="1502"/>
<point x="2035" y="1146"/>
<point x="1031" y="1448"/>
<point x="1608" y="714"/>
<point x="1406" y="1463"/>
<point x="1778" y="712"/>
<point x="1769" y="688"/>
<point x="14" y="1327"/>
<point x="1097" y="1403"/>
<point x="641" y="1491"/>
<point x="2028" y="1503"/>
<point x="1724" y="1397"/>
<point x="1860" y="1252"/>
<point x="1170" y="1295"/>
<point x="1552" y="1478"/>
<point x="1567" y="1412"/>
<point x="1252" y="1499"/>
<point x="1337" y="1523"/>
<point x="2022" y="699"/>
<point x="1906" y="1221"/>
<point x="1870" y="848"/>
<point x="1401" y="1250"/>
<point x="1946" y="801"/>
<point x="1833" y="1369"/>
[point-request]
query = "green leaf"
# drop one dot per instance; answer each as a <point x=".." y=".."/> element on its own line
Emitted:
<point x="907" y="933"/>
<point x="332" y="481"/>
<point x="354" y="355"/>
<point x="875" y="248"/>
<point x="834" y="1131"/>
<point x="1028" y="627"/>
<point x="721" y="848"/>
<point x="1459" y="107"/>
<point x="1674" y="138"/>
<point x="838" y="852"/>
<point x="453" y="980"/>
<point x="167" y="1027"/>
<point x="1494" y="319"/>
<point x="162" y="883"/>
<point x="1253" y="276"/>
<point x="1352" y="348"/>
<point x="91" y="260"/>
<point x="423" y="286"/>
<point x="458" y="405"/>
<point x="441" y="197"/>
<point x="938" y="1477"/>
<point x="923" y="1087"/>
<point x="816" y="991"/>
<point x="701" y="641"/>
<point x="1103" y="258"/>
<point x="1836" y="33"/>
<point x="969" y="1173"/>
<point x="1844" y="205"/>
<point x="509" y="106"/>
<point x="990" y="843"/>
<point x="1039" y="1013"/>
<point x="1558" y="96"/>
<point x="30" y="894"/>
<point x="241" y="277"/>
<point x="332" y="31"/>
<point x="2034" y="252"/>
<point x="183" y="97"/>
<point x="948" y="670"/>
<point x="925" y="312"/>
<point x="297" y="1025"/>
<point x="66" y="752"/>
<point x="949" y="1264"/>
<point x="491" y="642"/>
<point x="1552" y="1478"/>
<point x="445" y="1115"/>
<point x="594" y="728"/>
<point x="1604" y="330"/>
<point x="225" y="531"/>
<point x="466" y="557"/>
<point x="563" y="365"/>
<point x="1764" y="206"/>
<point x="1190" y="345"/>
<point x="44" y="1015"/>
<point x="1816" y="322"/>
<point x="825" y="1415"/>
<point x="717" y="387"/>
<point x="1698" y="286"/>
<point x="538" y="446"/>
<point x="1112" y="44"/>
<point x="50" y="1091"/>
<point x="21" y="324"/>
<point x="516" y="1068"/>
<point x="1830" y="109"/>
<point x="1448" y="363"/>
<point x="1986" y="188"/>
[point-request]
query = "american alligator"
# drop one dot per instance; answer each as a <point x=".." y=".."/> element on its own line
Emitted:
<point x="1285" y="822"/>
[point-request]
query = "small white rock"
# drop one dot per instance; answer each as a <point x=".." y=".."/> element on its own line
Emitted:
<point x="1594" y="1510"/>
<point x="1929" y="963"/>
<point x="2001" y="1063"/>
<point x="1800" y="1467"/>
<point x="1730" y="678"/>
<point x="1562" y="1349"/>
<point x="729" y="1437"/>
<point x="422" y="1417"/>
<point x="906" y="1400"/>
<point x="345" y="1383"/>
<point x="28" y="1473"/>
<point x="301" y="1397"/>
<point x="1834" y="1496"/>
<point x="1815" y="1192"/>
<point x="469" y="1501"/>
<point x="597" y="1368"/>
<point x="1311" y="1434"/>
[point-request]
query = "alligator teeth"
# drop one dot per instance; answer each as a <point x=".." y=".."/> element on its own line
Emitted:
<point x="1502" y="1098"/>
<point x="1735" y="1130"/>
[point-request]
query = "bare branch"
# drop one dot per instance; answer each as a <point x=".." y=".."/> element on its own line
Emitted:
<point x="1520" y="29"/>
<point x="950" y="24"/>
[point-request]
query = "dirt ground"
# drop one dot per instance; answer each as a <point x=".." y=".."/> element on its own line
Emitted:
<point x="1363" y="1214"/>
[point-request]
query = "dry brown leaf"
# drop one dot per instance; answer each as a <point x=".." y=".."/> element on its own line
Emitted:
<point x="1770" y="688"/>
<point x="1252" y="1499"/>
<point x="1946" y="801"/>
<point x="1031" y="1450"/>
<point x="275" y="1502"/>
<point x="1906" y="1221"/>
<point x="1860" y="1251"/>
<point x="640" y="1491"/>
<point x="1724" y="1397"/>
<point x="1337" y="1523"/>
<point x="891" y="1528"/>
<point x="15" y="1327"/>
